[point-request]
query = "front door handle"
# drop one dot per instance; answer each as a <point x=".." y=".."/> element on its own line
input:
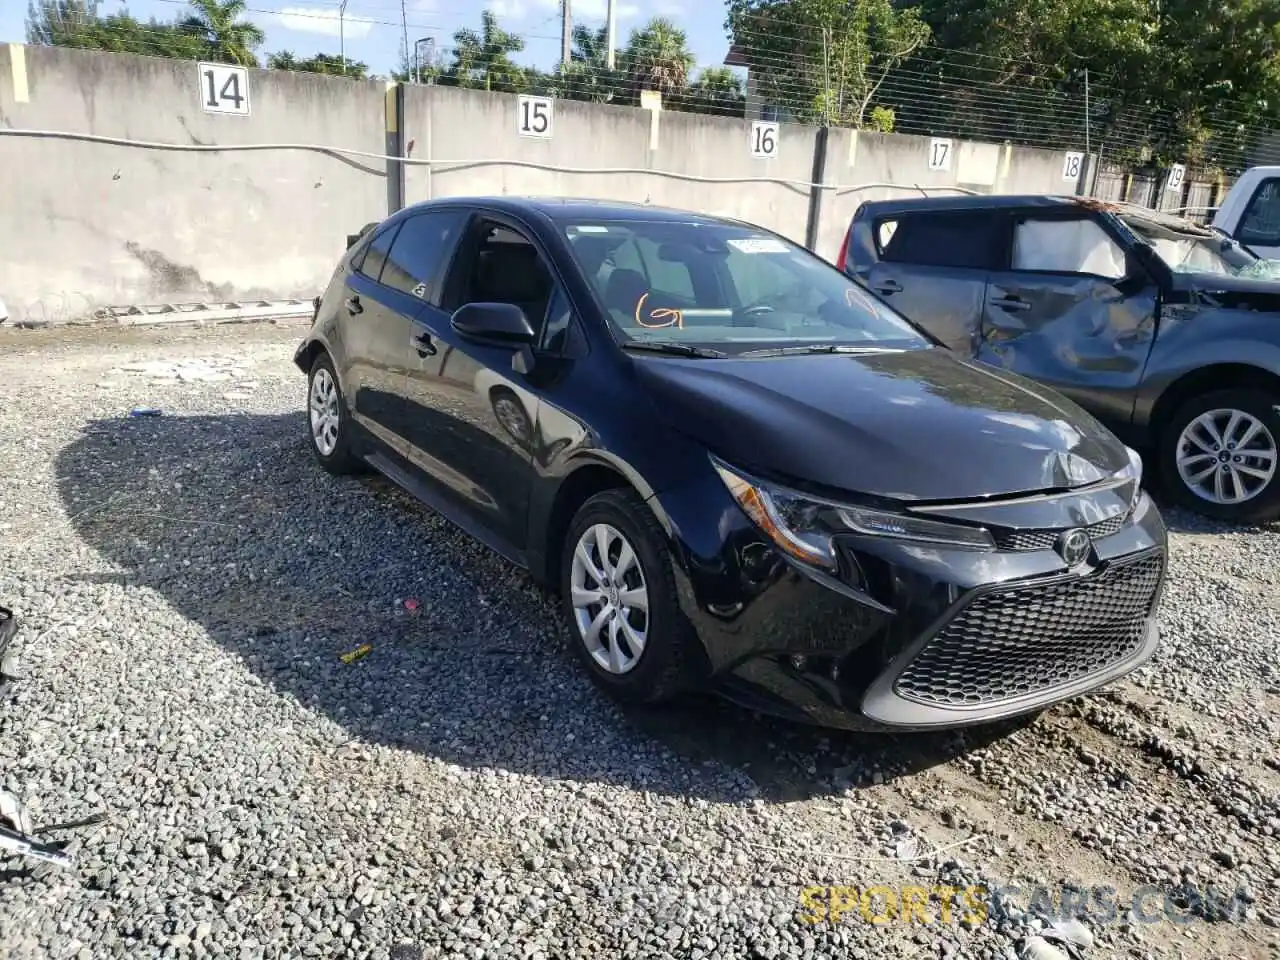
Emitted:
<point x="887" y="287"/>
<point x="1011" y="303"/>
<point x="422" y="343"/>
<point x="353" y="305"/>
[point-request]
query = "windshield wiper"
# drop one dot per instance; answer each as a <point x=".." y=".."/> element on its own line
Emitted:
<point x="670" y="346"/>
<point x="816" y="348"/>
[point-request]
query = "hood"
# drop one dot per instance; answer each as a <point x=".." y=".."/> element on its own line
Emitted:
<point x="1232" y="293"/>
<point x="917" y="425"/>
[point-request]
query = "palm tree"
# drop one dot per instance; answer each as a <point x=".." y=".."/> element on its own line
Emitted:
<point x="483" y="59"/>
<point x="658" y="58"/>
<point x="717" y="90"/>
<point x="230" y="40"/>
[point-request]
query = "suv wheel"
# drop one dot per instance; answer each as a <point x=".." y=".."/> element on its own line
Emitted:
<point x="619" y="599"/>
<point x="1219" y="455"/>
<point x="328" y="421"/>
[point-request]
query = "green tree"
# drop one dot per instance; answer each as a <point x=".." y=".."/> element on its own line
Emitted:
<point x="482" y="59"/>
<point x="76" y="23"/>
<point x="587" y="75"/>
<point x="657" y="57"/>
<point x="229" y="38"/>
<point x="718" y="91"/>
<point x="825" y="60"/>
<point x="320" y="63"/>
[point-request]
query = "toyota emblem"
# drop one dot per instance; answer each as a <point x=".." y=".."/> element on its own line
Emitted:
<point x="1073" y="546"/>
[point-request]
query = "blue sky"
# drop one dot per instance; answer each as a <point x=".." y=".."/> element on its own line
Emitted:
<point x="373" y="27"/>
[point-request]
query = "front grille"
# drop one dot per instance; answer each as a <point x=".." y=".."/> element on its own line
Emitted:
<point x="1009" y="643"/>
<point x="1045" y="539"/>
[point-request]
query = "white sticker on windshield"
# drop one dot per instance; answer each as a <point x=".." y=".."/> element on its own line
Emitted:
<point x="759" y="245"/>
<point x="590" y="228"/>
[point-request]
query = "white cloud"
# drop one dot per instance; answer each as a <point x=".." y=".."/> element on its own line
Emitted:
<point x="508" y="9"/>
<point x="594" y="9"/>
<point x="323" y="20"/>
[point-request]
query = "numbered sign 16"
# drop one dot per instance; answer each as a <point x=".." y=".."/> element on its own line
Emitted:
<point x="534" y="115"/>
<point x="939" y="154"/>
<point x="764" y="139"/>
<point x="1072" y="164"/>
<point x="1177" y="173"/>
<point x="224" y="88"/>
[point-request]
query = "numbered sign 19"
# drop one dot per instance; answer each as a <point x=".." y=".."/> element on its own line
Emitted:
<point x="534" y="115"/>
<point x="764" y="139"/>
<point x="224" y="88"/>
<point x="1177" y="173"/>
<point x="1072" y="164"/>
<point x="939" y="154"/>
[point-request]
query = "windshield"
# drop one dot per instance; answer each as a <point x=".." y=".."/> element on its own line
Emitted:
<point x="727" y="288"/>
<point x="1187" y="252"/>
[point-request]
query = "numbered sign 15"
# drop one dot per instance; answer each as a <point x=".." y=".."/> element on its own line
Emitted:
<point x="224" y="88"/>
<point x="1072" y="164"/>
<point x="939" y="154"/>
<point x="1177" y="173"/>
<point x="764" y="139"/>
<point x="534" y="115"/>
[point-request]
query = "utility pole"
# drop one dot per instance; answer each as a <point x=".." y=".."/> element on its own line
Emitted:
<point x="404" y="35"/>
<point x="611" y="36"/>
<point x="342" y="35"/>
<point x="566" y="35"/>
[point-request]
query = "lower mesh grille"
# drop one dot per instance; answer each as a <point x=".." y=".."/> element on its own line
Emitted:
<point x="1045" y="539"/>
<point x="1014" y="642"/>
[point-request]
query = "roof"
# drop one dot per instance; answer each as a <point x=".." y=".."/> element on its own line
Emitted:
<point x="1129" y="211"/>
<point x="578" y="208"/>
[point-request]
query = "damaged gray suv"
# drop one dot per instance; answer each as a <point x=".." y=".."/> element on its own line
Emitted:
<point x="1167" y="332"/>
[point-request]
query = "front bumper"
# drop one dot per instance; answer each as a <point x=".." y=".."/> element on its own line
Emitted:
<point x="921" y="637"/>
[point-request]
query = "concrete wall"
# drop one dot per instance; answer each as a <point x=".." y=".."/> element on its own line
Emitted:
<point x="85" y="225"/>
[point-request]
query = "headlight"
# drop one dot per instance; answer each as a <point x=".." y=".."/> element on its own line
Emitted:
<point x="803" y="527"/>
<point x="1133" y="472"/>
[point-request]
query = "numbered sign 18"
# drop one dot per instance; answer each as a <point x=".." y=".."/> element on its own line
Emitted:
<point x="1177" y="173"/>
<point x="224" y="88"/>
<point x="1072" y="164"/>
<point x="534" y="115"/>
<point x="764" y="139"/>
<point x="939" y="154"/>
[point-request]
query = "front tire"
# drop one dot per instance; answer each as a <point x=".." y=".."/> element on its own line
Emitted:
<point x="1220" y="456"/>
<point x="328" y="420"/>
<point x="619" y="598"/>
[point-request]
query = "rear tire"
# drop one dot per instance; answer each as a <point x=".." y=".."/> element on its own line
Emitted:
<point x="617" y="587"/>
<point x="329" y="421"/>
<point x="1244" y="428"/>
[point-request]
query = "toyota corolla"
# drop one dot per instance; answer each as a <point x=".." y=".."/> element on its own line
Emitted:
<point x="737" y="469"/>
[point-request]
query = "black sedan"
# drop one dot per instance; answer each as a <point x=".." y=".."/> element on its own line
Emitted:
<point x="736" y="468"/>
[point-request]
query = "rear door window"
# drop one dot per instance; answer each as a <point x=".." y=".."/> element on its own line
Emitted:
<point x="1260" y="224"/>
<point x="1076" y="245"/>
<point x="420" y="252"/>
<point x="968" y="240"/>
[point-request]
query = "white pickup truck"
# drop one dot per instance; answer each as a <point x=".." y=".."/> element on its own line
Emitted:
<point x="1250" y="212"/>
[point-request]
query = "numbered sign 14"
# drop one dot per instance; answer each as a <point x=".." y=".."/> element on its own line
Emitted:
<point x="764" y="139"/>
<point x="939" y="154"/>
<point x="224" y="88"/>
<point x="534" y="116"/>
<point x="1072" y="164"/>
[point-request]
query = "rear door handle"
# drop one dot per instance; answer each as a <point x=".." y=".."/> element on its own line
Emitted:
<point x="353" y="305"/>
<point x="1011" y="303"/>
<point x="422" y="343"/>
<point x="887" y="287"/>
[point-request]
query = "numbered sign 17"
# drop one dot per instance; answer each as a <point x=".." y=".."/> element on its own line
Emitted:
<point x="224" y="88"/>
<point x="1072" y="164"/>
<point x="764" y="139"/>
<point x="533" y="116"/>
<point x="939" y="154"/>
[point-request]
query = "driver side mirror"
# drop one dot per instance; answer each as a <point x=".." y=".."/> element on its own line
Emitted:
<point x="503" y="323"/>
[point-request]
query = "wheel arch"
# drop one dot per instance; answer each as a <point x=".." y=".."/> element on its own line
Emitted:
<point x="1218" y="376"/>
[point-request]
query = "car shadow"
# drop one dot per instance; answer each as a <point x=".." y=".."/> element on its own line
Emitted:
<point x="231" y="521"/>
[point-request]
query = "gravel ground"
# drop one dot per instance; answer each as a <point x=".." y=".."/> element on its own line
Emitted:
<point x="189" y="583"/>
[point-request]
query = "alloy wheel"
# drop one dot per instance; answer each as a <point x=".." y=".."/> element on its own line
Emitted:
<point x="1226" y="456"/>
<point x="610" y="598"/>
<point x="323" y="412"/>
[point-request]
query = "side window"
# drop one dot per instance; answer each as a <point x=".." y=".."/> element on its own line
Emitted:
<point x="555" y="336"/>
<point x="373" y="257"/>
<point x="1261" y="221"/>
<point x="970" y="240"/>
<point x="665" y="276"/>
<point x="420" y="251"/>
<point x="1067" y="246"/>
<point x="507" y="268"/>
